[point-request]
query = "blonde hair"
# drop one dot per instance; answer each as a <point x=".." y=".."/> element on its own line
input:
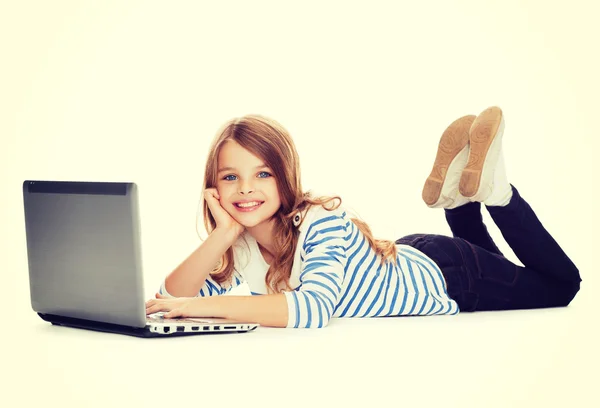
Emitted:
<point x="268" y="140"/>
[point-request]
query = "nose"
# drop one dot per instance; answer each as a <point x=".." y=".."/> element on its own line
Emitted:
<point x="246" y="187"/>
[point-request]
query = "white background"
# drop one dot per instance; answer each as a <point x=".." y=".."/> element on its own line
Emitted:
<point x="135" y="91"/>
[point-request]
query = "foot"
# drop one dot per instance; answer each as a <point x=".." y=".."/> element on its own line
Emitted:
<point x="485" y="140"/>
<point x="441" y="187"/>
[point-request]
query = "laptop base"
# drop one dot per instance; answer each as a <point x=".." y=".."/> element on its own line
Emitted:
<point x="115" y="328"/>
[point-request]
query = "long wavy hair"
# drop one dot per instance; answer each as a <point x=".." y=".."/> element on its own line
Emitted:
<point x="268" y="140"/>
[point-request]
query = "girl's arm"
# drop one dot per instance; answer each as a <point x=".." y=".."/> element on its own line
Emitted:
<point x="189" y="277"/>
<point x="322" y="275"/>
<point x="310" y="306"/>
<point x="266" y="310"/>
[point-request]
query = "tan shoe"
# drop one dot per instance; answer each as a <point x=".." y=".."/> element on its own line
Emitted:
<point x="485" y="141"/>
<point x="441" y="187"/>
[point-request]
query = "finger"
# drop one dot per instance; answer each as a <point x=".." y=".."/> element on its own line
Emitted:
<point x="209" y="193"/>
<point x="160" y="306"/>
<point x="213" y="192"/>
<point x="210" y="199"/>
<point x="173" y="313"/>
<point x="159" y="296"/>
<point x="153" y="309"/>
<point x="214" y="206"/>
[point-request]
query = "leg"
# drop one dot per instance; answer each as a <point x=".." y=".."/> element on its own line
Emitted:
<point x="466" y="222"/>
<point x="441" y="188"/>
<point x="531" y="242"/>
<point x="481" y="280"/>
<point x="478" y="275"/>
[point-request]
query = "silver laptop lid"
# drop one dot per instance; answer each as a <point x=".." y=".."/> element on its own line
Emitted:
<point x="83" y="249"/>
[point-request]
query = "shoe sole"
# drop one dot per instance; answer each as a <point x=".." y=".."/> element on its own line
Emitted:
<point x="454" y="139"/>
<point x="481" y="136"/>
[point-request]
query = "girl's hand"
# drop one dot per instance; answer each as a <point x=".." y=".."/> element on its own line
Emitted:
<point x="223" y="219"/>
<point x="176" y="307"/>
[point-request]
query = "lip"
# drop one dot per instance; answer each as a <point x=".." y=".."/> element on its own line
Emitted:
<point x="247" y="201"/>
<point x="250" y="209"/>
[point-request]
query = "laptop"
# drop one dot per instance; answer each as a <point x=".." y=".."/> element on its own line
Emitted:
<point x="84" y="259"/>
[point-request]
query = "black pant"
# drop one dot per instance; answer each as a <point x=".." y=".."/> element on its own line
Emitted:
<point x="479" y="277"/>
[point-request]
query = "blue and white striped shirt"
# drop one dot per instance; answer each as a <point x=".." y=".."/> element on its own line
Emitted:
<point x="337" y="274"/>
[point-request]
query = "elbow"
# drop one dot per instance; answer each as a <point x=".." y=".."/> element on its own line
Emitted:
<point x="323" y="325"/>
<point x="175" y="292"/>
<point x="313" y="326"/>
<point x="162" y="290"/>
<point x="324" y="321"/>
<point x="309" y="310"/>
<point x="314" y="323"/>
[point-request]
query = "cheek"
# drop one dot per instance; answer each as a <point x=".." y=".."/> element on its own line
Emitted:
<point x="223" y="188"/>
<point x="224" y="192"/>
<point x="274" y="193"/>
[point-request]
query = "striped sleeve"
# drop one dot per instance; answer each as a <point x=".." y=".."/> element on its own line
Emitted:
<point x="322" y="274"/>
<point x="210" y="287"/>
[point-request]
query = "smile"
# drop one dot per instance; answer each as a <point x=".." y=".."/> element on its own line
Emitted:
<point x="250" y="206"/>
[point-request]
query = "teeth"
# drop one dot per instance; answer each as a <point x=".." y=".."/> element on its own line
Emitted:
<point x="246" y="205"/>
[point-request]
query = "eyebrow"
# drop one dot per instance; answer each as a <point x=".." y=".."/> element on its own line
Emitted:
<point x="228" y="168"/>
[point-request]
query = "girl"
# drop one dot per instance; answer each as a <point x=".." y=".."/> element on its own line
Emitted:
<point x="312" y="261"/>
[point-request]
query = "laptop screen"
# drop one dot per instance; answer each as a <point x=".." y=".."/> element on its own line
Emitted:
<point x="83" y="248"/>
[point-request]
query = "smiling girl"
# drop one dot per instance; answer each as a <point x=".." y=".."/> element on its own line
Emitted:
<point x="307" y="259"/>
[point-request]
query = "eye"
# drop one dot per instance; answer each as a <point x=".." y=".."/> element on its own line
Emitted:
<point x="262" y="174"/>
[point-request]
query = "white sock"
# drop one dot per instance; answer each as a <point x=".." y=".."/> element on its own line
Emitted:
<point x="501" y="190"/>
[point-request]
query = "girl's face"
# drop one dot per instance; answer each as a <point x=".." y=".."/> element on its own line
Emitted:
<point x="243" y="178"/>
